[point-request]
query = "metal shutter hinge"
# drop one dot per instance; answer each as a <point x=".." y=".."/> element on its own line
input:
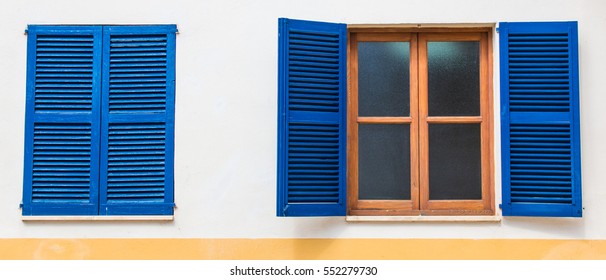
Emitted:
<point x="25" y="32"/>
<point x="497" y="29"/>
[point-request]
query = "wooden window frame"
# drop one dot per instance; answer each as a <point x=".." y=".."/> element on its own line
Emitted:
<point x="420" y="204"/>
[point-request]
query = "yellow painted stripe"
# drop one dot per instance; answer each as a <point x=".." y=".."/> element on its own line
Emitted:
<point x="301" y="249"/>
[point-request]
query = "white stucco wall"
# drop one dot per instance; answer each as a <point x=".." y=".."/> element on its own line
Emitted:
<point x="225" y="159"/>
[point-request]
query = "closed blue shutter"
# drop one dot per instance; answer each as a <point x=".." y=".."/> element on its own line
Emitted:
<point x="137" y="128"/>
<point x="62" y="120"/>
<point x="311" y="118"/>
<point x="540" y="119"/>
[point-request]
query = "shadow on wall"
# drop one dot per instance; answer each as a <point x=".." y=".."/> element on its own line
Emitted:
<point x="556" y="228"/>
<point x="305" y="248"/>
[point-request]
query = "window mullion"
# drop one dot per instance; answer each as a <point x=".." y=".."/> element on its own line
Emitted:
<point x="415" y="124"/>
<point x="423" y="128"/>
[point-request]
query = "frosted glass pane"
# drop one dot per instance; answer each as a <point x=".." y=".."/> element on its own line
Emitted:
<point x="454" y="78"/>
<point x="384" y="161"/>
<point x="455" y="170"/>
<point x="383" y="78"/>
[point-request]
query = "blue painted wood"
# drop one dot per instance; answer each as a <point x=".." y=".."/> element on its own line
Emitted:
<point x="311" y="118"/>
<point x="137" y="140"/>
<point x="540" y="131"/>
<point x="64" y="143"/>
<point x="62" y="120"/>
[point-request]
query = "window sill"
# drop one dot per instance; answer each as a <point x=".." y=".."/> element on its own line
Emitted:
<point x="423" y="219"/>
<point x="98" y="218"/>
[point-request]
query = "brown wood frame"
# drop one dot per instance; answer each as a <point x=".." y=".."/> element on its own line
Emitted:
<point x="419" y="204"/>
<point x="381" y="207"/>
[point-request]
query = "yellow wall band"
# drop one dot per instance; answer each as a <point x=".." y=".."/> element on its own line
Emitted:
<point x="301" y="249"/>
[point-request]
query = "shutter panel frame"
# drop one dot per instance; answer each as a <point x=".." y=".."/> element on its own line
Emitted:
<point x="310" y="118"/>
<point x="538" y="118"/>
<point x="58" y="113"/>
<point x="138" y="122"/>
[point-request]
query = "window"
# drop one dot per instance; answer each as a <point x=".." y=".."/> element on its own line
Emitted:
<point x="99" y="120"/>
<point x="426" y="149"/>
<point x="419" y="122"/>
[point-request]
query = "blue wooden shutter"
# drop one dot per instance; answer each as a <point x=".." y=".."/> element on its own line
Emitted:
<point x="62" y="120"/>
<point x="540" y="119"/>
<point x="311" y="118"/>
<point x="137" y="128"/>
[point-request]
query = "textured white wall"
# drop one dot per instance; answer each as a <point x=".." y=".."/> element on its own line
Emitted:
<point x="226" y="113"/>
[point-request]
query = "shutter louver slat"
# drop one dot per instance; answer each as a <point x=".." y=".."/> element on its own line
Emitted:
<point x="64" y="73"/>
<point x="145" y="162"/>
<point x="549" y="182"/>
<point x="137" y="145"/>
<point x="313" y="57"/>
<point x="61" y="163"/>
<point x="541" y="149"/>
<point x="311" y="175"/>
<point x="136" y="69"/>
<point x="315" y="145"/>
<point x="534" y="91"/>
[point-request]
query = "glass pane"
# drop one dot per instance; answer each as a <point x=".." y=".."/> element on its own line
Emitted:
<point x="383" y="79"/>
<point x="455" y="170"/>
<point x="454" y="78"/>
<point x="384" y="161"/>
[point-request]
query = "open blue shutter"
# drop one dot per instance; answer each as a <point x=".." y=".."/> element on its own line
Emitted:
<point x="137" y="130"/>
<point x="62" y="120"/>
<point x="540" y="119"/>
<point x="311" y="118"/>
